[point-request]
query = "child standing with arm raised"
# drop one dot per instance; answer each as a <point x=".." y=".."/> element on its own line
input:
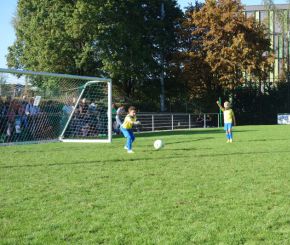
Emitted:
<point x="229" y="120"/>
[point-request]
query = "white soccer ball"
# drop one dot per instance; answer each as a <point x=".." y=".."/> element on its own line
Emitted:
<point x="158" y="144"/>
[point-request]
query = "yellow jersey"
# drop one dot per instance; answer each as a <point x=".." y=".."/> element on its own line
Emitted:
<point x="128" y="122"/>
<point x="228" y="116"/>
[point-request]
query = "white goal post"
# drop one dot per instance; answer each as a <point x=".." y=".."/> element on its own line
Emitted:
<point x="109" y="121"/>
<point x="42" y="106"/>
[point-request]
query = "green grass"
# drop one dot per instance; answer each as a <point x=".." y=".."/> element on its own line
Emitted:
<point x="197" y="190"/>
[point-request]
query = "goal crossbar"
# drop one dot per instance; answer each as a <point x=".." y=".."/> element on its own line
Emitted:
<point x="67" y="108"/>
<point x="49" y="74"/>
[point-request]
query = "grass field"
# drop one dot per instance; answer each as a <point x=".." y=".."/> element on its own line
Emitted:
<point x="197" y="190"/>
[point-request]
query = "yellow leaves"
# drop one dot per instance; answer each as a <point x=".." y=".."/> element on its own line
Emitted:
<point x="228" y="42"/>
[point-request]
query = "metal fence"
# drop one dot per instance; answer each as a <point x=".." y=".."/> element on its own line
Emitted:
<point x="159" y="121"/>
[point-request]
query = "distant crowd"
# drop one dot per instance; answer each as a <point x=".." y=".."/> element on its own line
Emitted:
<point x="18" y="117"/>
<point x="88" y="119"/>
<point x="21" y="119"/>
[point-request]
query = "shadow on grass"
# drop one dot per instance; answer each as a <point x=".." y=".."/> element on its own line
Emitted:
<point x="46" y="151"/>
<point x="62" y="149"/>
<point x="184" y="149"/>
<point x="262" y="140"/>
<point x="243" y="131"/>
<point x="185" y="132"/>
<point x="117" y="160"/>
<point x="185" y="141"/>
<point x="241" y="153"/>
<point x="181" y="132"/>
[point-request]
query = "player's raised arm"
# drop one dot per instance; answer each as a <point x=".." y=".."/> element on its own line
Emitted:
<point x="219" y="105"/>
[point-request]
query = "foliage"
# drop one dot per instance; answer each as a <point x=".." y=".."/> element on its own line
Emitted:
<point x="253" y="107"/>
<point x="230" y="44"/>
<point x="138" y="35"/>
<point x="193" y="82"/>
<point x="203" y="52"/>
<point x="218" y="47"/>
<point x="55" y="36"/>
<point x="120" y="39"/>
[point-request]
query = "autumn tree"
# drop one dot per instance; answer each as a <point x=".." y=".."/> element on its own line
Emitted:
<point x="193" y="80"/>
<point x="233" y="44"/>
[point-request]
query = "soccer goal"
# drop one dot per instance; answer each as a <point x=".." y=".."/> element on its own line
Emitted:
<point x="40" y="106"/>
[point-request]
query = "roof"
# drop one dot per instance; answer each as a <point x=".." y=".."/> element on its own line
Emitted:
<point x="264" y="7"/>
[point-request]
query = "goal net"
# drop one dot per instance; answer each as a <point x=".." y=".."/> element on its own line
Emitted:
<point x="38" y="106"/>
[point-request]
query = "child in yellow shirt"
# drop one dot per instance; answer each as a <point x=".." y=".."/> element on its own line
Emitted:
<point x="126" y="128"/>
<point x="229" y="120"/>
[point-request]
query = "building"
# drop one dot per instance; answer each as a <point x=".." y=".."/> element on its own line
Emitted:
<point x="277" y="19"/>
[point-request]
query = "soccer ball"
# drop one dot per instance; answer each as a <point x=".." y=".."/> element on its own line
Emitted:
<point x="158" y="144"/>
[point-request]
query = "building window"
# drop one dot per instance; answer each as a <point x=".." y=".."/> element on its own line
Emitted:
<point x="250" y="14"/>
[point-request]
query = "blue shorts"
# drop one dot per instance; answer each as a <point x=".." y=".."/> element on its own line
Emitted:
<point x="228" y="126"/>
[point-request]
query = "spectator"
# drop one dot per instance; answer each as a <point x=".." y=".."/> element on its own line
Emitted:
<point x="24" y="101"/>
<point x="6" y="106"/>
<point x="85" y="130"/>
<point x="79" y="119"/>
<point x="31" y="109"/>
<point x="67" y="109"/>
<point x="21" y="113"/>
<point x="114" y="111"/>
<point x="10" y="122"/>
<point x="114" y="123"/>
<point x="2" y="118"/>
<point x="92" y="107"/>
<point x="18" y="127"/>
<point x="199" y="120"/>
<point x="1" y="104"/>
<point x="120" y="112"/>
<point x="83" y="108"/>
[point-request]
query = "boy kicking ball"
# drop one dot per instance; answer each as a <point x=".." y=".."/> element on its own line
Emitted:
<point x="126" y="128"/>
<point x="229" y="120"/>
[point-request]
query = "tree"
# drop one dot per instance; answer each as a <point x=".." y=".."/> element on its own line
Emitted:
<point x="233" y="44"/>
<point x="142" y="41"/>
<point x="121" y="39"/>
<point x="55" y="36"/>
<point x="194" y="80"/>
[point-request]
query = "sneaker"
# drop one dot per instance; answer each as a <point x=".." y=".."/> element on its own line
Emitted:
<point x="130" y="151"/>
<point x="231" y="141"/>
<point x="125" y="147"/>
<point x="228" y="141"/>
